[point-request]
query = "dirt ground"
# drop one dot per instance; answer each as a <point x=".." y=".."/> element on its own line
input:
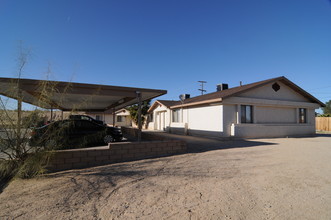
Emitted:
<point x="287" y="178"/>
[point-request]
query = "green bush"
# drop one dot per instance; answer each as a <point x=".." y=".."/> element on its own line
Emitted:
<point x="8" y="169"/>
<point x="35" y="164"/>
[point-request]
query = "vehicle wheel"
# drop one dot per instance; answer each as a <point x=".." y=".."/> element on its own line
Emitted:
<point x="108" y="139"/>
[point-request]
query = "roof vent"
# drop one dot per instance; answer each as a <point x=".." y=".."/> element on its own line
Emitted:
<point x="221" y="87"/>
<point x="182" y="97"/>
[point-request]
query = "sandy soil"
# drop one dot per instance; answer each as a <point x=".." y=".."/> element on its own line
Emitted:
<point x="254" y="179"/>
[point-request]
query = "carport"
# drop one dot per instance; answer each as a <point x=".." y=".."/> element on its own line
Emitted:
<point x="71" y="96"/>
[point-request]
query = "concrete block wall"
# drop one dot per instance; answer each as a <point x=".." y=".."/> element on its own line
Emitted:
<point x="133" y="133"/>
<point x="117" y="152"/>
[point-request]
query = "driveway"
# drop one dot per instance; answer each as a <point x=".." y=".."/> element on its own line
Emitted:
<point x="285" y="178"/>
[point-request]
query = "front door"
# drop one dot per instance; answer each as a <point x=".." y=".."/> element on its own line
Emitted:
<point x="160" y="120"/>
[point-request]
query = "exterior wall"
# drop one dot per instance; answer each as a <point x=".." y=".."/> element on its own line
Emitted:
<point x="229" y="118"/>
<point x="108" y="118"/>
<point x="161" y="119"/>
<point x="150" y="125"/>
<point x="178" y="128"/>
<point x="126" y="119"/>
<point x="275" y="122"/>
<point x="203" y="121"/>
<point x="275" y="114"/>
<point x="272" y="130"/>
<point x="207" y="118"/>
<point x="266" y="92"/>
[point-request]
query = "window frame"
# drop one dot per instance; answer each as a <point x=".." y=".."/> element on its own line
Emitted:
<point x="119" y="118"/>
<point x="151" y="117"/>
<point x="244" y="117"/>
<point x="176" y="115"/>
<point x="302" y="116"/>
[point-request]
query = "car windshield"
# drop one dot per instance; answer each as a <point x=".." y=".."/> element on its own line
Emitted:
<point x="85" y="118"/>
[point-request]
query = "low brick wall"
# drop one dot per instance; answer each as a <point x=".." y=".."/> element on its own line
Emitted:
<point x="117" y="152"/>
<point x="150" y="136"/>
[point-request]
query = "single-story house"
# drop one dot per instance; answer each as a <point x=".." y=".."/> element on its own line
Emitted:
<point x="271" y="108"/>
<point x="122" y="117"/>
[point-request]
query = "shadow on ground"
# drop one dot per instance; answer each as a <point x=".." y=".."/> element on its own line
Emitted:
<point x="323" y="135"/>
<point x="4" y="182"/>
<point x="202" y="144"/>
<point x="194" y="145"/>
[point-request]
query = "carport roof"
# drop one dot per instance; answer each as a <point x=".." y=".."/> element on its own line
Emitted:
<point x="68" y="96"/>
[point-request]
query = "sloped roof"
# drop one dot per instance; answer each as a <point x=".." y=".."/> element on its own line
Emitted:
<point x="166" y="103"/>
<point x="220" y="95"/>
<point x="74" y="96"/>
<point x="169" y="103"/>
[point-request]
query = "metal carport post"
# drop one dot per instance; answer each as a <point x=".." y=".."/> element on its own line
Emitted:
<point x="139" y="115"/>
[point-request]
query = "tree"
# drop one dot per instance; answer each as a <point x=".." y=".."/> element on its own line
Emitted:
<point x="327" y="108"/>
<point x="133" y="109"/>
<point x="17" y="157"/>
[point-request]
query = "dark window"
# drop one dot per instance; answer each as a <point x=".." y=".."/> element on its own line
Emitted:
<point x="98" y="117"/>
<point x="246" y="114"/>
<point x="119" y="118"/>
<point x="176" y="115"/>
<point x="276" y="87"/>
<point x="302" y="115"/>
<point x="151" y="119"/>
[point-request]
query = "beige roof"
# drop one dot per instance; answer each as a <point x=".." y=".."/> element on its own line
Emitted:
<point x="74" y="96"/>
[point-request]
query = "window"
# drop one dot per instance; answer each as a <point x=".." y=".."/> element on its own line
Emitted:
<point x="119" y="118"/>
<point x="176" y="115"/>
<point x="276" y="87"/>
<point x="150" y="117"/>
<point x="302" y="115"/>
<point x="98" y="117"/>
<point x="246" y="114"/>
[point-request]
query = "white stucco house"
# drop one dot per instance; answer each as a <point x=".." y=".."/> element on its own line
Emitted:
<point x="122" y="117"/>
<point x="271" y="108"/>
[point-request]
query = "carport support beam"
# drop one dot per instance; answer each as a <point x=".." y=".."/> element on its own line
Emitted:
<point x="139" y="115"/>
<point x="114" y="117"/>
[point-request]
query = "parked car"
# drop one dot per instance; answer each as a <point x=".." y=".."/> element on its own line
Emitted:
<point x="85" y="117"/>
<point x="74" y="133"/>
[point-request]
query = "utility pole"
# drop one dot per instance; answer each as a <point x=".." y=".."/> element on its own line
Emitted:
<point x="202" y="90"/>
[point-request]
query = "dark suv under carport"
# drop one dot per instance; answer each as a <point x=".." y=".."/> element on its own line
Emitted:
<point x="74" y="133"/>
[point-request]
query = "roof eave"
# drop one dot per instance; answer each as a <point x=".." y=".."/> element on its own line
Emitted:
<point x="303" y="92"/>
<point x="153" y="106"/>
<point x="197" y="103"/>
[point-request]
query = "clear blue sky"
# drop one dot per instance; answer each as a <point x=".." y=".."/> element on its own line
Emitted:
<point x="170" y="44"/>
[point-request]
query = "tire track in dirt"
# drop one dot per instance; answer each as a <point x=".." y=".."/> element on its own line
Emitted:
<point x="131" y="184"/>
